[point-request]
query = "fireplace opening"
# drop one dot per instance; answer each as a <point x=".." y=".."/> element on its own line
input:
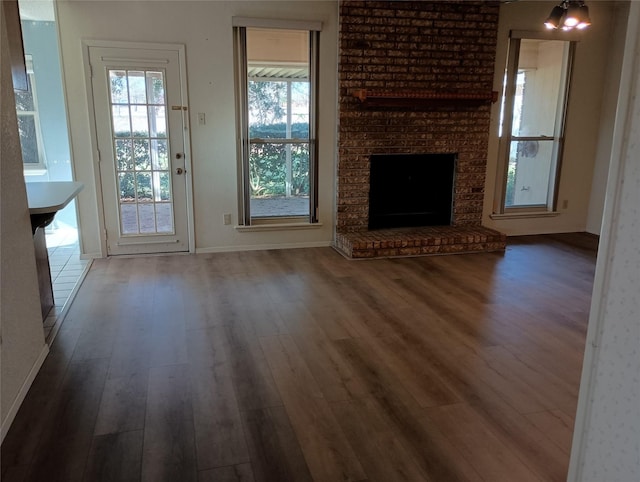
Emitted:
<point x="410" y="190"/>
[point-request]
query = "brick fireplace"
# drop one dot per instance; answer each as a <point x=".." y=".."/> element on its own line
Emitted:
<point x="415" y="78"/>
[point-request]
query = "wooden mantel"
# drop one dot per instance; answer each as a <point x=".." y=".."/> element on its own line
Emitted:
<point x="419" y="98"/>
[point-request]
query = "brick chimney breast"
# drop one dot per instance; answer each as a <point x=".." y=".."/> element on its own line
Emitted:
<point x="443" y="47"/>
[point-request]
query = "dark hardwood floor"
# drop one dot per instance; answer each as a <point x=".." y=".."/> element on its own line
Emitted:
<point x="299" y="365"/>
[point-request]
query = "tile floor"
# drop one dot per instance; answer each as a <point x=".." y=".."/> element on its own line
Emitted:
<point x="67" y="272"/>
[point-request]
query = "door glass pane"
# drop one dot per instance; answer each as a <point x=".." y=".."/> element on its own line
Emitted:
<point x="159" y="155"/>
<point x="138" y="109"/>
<point x="158" y="121"/>
<point x="161" y="189"/>
<point x="127" y="183"/>
<point x="139" y="121"/>
<point x="124" y="159"/>
<point x="141" y="154"/>
<point x="164" y="217"/>
<point x="147" y="218"/>
<point x="121" y="121"/>
<point x="137" y="88"/>
<point x="129" y="217"/>
<point x="278" y="109"/>
<point x="119" y="87"/>
<point x="155" y="82"/>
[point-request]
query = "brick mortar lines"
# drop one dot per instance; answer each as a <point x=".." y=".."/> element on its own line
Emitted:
<point x="407" y="46"/>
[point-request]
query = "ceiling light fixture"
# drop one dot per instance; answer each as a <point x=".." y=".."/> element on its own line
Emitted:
<point x="567" y="15"/>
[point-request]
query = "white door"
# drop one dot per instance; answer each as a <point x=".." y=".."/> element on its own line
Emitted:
<point x="139" y="99"/>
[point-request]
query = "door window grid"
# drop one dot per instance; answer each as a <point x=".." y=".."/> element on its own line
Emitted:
<point x="139" y="123"/>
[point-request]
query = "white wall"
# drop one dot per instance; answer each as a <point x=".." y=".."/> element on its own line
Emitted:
<point x="205" y="28"/>
<point x="606" y="444"/>
<point x="22" y="342"/>
<point x="607" y="116"/>
<point x="583" y="117"/>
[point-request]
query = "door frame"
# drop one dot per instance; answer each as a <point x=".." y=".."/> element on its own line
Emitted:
<point x="180" y="49"/>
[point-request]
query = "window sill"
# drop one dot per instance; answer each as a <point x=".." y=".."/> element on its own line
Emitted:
<point x="525" y="215"/>
<point x="34" y="172"/>
<point x="277" y="227"/>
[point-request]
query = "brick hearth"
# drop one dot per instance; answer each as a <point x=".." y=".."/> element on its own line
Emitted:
<point x="419" y="241"/>
<point x="441" y="47"/>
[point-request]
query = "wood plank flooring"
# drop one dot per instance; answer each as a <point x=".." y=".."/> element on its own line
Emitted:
<point x="299" y="365"/>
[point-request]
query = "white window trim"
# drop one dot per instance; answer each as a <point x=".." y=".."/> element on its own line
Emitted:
<point x="313" y="26"/>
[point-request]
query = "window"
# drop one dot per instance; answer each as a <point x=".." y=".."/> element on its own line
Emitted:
<point x="29" y="125"/>
<point x="276" y="78"/>
<point x="532" y="123"/>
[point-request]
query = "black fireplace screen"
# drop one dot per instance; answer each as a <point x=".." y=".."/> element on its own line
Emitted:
<point x="409" y="190"/>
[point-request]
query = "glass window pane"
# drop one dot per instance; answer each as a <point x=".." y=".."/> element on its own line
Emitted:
<point x="540" y="87"/>
<point x="300" y="110"/>
<point x="159" y="156"/>
<point x="127" y="183"/>
<point x="147" y="218"/>
<point x="155" y="83"/>
<point x="24" y="98"/>
<point x="143" y="187"/>
<point x="137" y="88"/>
<point x="141" y="154"/>
<point x="118" y="86"/>
<point x="530" y="168"/>
<point x="157" y="121"/>
<point x="267" y="170"/>
<point x="164" y="218"/>
<point x="300" y="170"/>
<point x="139" y="121"/>
<point x="268" y="109"/>
<point x="279" y="179"/>
<point x="162" y="186"/>
<point x="121" y="121"/>
<point x="28" y="139"/>
<point x="123" y="155"/>
<point x="128" y="218"/>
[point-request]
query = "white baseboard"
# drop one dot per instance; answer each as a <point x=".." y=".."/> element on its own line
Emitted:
<point x="89" y="256"/>
<point x="261" y="247"/>
<point x="15" y="406"/>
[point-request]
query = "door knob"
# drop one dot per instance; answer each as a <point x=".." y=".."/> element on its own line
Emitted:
<point x="179" y="170"/>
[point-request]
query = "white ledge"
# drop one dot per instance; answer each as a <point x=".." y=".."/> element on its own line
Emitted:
<point x="278" y="227"/>
<point x="525" y="215"/>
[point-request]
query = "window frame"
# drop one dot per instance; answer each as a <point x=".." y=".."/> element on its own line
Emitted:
<point x="240" y="26"/>
<point x="506" y="137"/>
<point x="31" y="168"/>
